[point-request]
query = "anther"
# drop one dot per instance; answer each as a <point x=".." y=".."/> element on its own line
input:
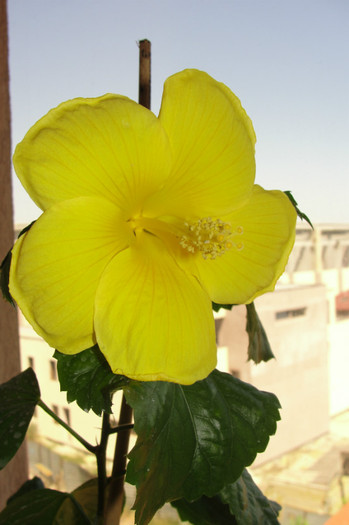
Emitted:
<point x="207" y="236"/>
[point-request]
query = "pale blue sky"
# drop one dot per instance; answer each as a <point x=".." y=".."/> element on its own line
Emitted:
<point x="286" y="60"/>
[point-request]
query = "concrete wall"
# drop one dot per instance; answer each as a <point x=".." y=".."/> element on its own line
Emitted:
<point x="336" y="280"/>
<point x="36" y="353"/>
<point x="339" y="366"/>
<point x="299" y="374"/>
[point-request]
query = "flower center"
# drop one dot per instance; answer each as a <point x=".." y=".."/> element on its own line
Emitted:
<point x="211" y="237"/>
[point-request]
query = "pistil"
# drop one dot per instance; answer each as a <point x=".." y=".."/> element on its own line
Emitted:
<point x="211" y="238"/>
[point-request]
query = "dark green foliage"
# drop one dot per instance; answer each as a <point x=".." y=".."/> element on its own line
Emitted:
<point x="5" y="270"/>
<point x="300" y="214"/>
<point x="239" y="503"/>
<point x="48" y="507"/>
<point x="88" y="379"/>
<point x="216" y="307"/>
<point x="85" y="498"/>
<point x="28" y="486"/>
<point x="204" y="511"/>
<point x="193" y="440"/>
<point x="248" y="504"/>
<point x="258" y="344"/>
<point x="5" y="277"/>
<point x="19" y="397"/>
<point x="26" y="229"/>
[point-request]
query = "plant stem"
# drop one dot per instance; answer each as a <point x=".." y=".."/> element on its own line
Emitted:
<point x="144" y="73"/>
<point x="101" y="464"/>
<point x="116" y="486"/>
<point x="121" y="447"/>
<point x="127" y="426"/>
<point x="77" y="436"/>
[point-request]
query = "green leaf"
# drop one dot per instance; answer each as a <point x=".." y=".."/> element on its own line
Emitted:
<point x="28" y="486"/>
<point x="5" y="271"/>
<point x="239" y="503"/>
<point x="87" y="497"/>
<point x="204" y="511"/>
<point x="43" y="507"/>
<point x="216" y="307"/>
<point x="26" y="229"/>
<point x="193" y="440"/>
<point x="300" y="214"/>
<point x="19" y="397"/>
<point x="5" y="277"/>
<point x="248" y="503"/>
<point x="88" y="379"/>
<point x="258" y="345"/>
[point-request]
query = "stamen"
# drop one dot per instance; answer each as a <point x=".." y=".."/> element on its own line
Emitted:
<point x="211" y="237"/>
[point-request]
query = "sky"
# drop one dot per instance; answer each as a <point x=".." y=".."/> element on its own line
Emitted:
<point x="287" y="61"/>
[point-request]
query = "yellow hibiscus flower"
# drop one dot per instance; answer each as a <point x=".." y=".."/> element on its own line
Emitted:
<point x="146" y="221"/>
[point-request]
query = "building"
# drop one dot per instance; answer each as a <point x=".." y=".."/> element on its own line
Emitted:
<point x="307" y="322"/>
<point x="322" y="257"/>
<point x="294" y="319"/>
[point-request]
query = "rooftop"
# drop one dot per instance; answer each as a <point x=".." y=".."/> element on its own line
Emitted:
<point x="313" y="478"/>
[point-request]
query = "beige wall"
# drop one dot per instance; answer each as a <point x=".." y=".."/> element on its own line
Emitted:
<point x="36" y="352"/>
<point x="339" y="366"/>
<point x="336" y="280"/>
<point x="299" y="374"/>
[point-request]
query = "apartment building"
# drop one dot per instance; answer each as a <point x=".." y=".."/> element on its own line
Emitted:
<point x="307" y="324"/>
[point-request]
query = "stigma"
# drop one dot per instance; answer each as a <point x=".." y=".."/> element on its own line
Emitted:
<point x="210" y="237"/>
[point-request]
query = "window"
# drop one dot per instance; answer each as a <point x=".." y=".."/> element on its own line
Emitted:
<point x="345" y="463"/>
<point x="66" y="412"/>
<point x="218" y="324"/>
<point x="288" y="314"/>
<point x="56" y="411"/>
<point x="53" y="370"/>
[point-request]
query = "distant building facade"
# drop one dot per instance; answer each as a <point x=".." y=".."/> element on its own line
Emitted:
<point x="307" y="322"/>
<point x="295" y="320"/>
<point x="321" y="256"/>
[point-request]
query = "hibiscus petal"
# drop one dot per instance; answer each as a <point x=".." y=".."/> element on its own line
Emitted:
<point x="107" y="146"/>
<point x="212" y="140"/>
<point x="152" y="320"/>
<point x="255" y="263"/>
<point x="56" y="267"/>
